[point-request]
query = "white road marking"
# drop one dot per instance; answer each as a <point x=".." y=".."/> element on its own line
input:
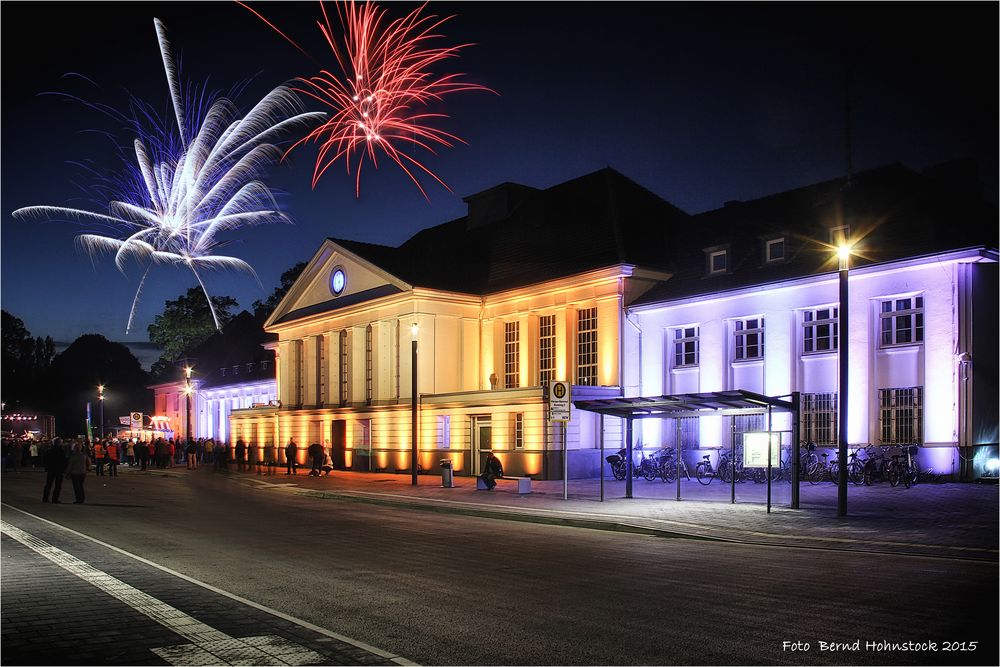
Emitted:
<point x="232" y="596"/>
<point x="208" y="646"/>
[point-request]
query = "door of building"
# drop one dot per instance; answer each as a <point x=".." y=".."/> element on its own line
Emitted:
<point x="338" y="444"/>
<point x="482" y="441"/>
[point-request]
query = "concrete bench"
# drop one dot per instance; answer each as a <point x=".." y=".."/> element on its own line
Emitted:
<point x="523" y="483"/>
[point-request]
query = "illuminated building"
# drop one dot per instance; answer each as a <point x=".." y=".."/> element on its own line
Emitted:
<point x="600" y="283"/>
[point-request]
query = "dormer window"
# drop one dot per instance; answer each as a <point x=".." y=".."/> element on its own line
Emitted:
<point x="236" y="370"/>
<point x="774" y="250"/>
<point x="718" y="260"/>
<point x="223" y="371"/>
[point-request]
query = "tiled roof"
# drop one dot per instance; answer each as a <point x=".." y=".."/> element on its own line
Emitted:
<point x="894" y="211"/>
<point x="528" y="236"/>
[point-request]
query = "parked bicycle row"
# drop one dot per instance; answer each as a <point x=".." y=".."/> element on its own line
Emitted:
<point x="868" y="465"/>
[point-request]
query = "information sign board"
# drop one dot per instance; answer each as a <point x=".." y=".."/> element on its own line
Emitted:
<point x="755" y="449"/>
<point x="559" y="401"/>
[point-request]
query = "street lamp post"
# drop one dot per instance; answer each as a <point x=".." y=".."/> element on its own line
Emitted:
<point x="844" y="255"/>
<point x="187" y="394"/>
<point x="100" y="399"/>
<point x="414" y="330"/>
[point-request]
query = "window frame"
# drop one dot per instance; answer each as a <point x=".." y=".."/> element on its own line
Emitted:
<point x="680" y="340"/>
<point x="810" y="321"/>
<point x="586" y="347"/>
<point x="546" y="349"/>
<point x="770" y="243"/>
<point x="914" y="315"/>
<point x="742" y="331"/>
<point x="511" y="354"/>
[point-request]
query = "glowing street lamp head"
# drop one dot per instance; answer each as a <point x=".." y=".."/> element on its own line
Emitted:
<point x="844" y="255"/>
<point x="187" y="372"/>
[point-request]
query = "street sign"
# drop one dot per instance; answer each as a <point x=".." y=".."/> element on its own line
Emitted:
<point x="136" y="421"/>
<point x="125" y="421"/>
<point x="559" y="401"/>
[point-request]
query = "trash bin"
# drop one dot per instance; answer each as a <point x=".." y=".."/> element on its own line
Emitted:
<point x="446" y="474"/>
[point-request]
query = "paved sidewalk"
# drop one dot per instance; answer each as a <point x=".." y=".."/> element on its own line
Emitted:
<point x="943" y="520"/>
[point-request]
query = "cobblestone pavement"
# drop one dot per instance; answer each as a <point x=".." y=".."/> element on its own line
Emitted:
<point x="53" y="614"/>
<point x="935" y="519"/>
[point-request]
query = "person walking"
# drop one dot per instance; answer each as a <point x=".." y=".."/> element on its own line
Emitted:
<point x="269" y="458"/>
<point x="111" y="453"/>
<point x="76" y="469"/>
<point x="192" y="455"/>
<point x="291" y="451"/>
<point x="253" y="453"/>
<point x="33" y="453"/>
<point x="99" y="459"/>
<point x="241" y="453"/>
<point x="55" y="466"/>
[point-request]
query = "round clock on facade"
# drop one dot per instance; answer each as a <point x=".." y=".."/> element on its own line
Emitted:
<point x="338" y="281"/>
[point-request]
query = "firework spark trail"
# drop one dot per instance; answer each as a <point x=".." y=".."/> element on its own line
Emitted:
<point x="380" y="102"/>
<point x="184" y="188"/>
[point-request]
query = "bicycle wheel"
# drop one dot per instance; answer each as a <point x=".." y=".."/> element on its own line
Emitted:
<point x="618" y="470"/>
<point x="856" y="473"/>
<point x="906" y="475"/>
<point x="726" y="472"/>
<point x="704" y="473"/>
<point x="668" y="471"/>
<point x="834" y="472"/>
<point x="894" y="476"/>
<point x="649" y="471"/>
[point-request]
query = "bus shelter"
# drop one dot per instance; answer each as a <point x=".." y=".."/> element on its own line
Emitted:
<point x="717" y="403"/>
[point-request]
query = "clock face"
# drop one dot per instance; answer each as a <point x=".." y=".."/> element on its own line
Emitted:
<point x="338" y="281"/>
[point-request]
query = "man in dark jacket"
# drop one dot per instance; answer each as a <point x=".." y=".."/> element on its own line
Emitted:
<point x="55" y="465"/>
<point x="316" y="456"/>
<point x="491" y="470"/>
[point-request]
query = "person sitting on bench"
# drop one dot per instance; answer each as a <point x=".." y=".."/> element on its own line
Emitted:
<point x="492" y="469"/>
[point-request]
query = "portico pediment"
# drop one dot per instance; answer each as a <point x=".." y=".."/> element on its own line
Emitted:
<point x="334" y="278"/>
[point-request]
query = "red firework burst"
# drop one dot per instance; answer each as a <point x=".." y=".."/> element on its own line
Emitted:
<point x="381" y="101"/>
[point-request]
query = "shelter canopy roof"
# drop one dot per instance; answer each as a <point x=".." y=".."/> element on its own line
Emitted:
<point x="738" y="401"/>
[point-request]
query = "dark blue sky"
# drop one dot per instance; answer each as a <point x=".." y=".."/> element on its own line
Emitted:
<point x="700" y="103"/>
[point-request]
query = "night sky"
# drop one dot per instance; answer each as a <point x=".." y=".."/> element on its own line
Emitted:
<point x="700" y="103"/>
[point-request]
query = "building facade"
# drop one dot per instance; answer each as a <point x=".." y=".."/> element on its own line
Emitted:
<point x="602" y="284"/>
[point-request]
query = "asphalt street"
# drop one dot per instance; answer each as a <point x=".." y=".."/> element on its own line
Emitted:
<point x="330" y="581"/>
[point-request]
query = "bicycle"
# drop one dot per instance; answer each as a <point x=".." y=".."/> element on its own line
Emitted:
<point x="855" y="469"/>
<point x="903" y="468"/>
<point x="668" y="467"/>
<point x="704" y="472"/>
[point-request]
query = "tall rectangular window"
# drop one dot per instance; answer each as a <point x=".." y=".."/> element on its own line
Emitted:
<point x="517" y="430"/>
<point x="901" y="416"/>
<point x="901" y="321"/>
<point x="819" y="418"/>
<point x="685" y="347"/>
<point x="586" y="347"/>
<point x="546" y="349"/>
<point x="820" y="330"/>
<point x="300" y="353"/>
<point x="444" y="431"/>
<point x="321" y="370"/>
<point x="511" y="355"/>
<point x="368" y="365"/>
<point x="749" y="338"/>
<point x="343" y="368"/>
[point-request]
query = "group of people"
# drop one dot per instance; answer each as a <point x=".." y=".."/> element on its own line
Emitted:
<point x="263" y="459"/>
<point x="72" y="462"/>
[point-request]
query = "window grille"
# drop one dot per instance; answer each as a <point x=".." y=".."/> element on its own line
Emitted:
<point x="901" y="416"/>
<point x="517" y="430"/>
<point x="546" y="349"/>
<point x="819" y="418"/>
<point x="511" y="355"/>
<point x="686" y="346"/>
<point x="820" y="330"/>
<point x="749" y="334"/>
<point x="586" y="347"/>
<point x="902" y="321"/>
